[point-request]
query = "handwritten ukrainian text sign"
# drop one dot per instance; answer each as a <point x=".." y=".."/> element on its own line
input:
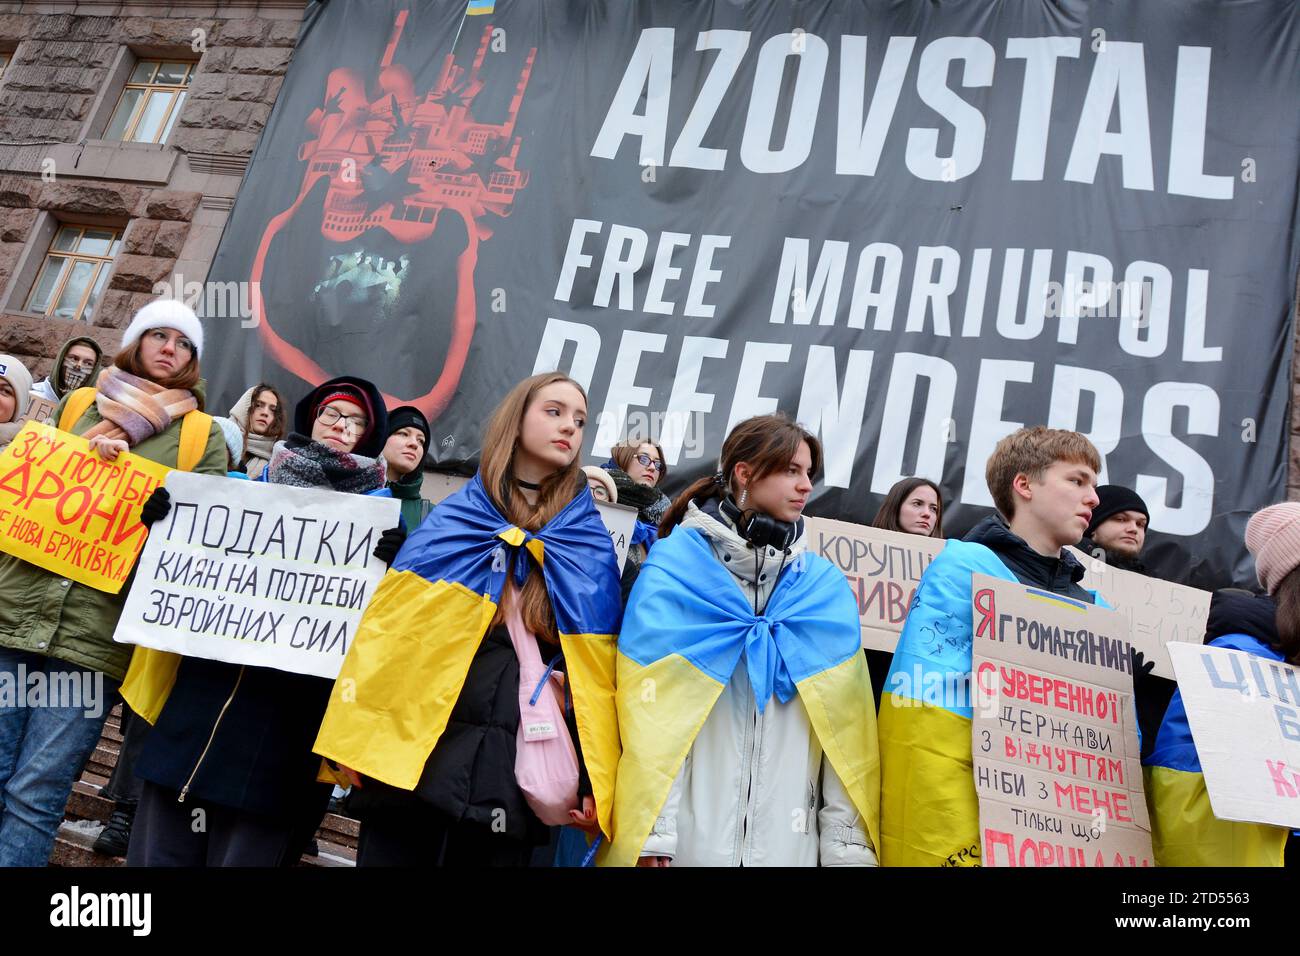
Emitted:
<point x="1054" y="733"/>
<point x="1244" y="713"/>
<point x="620" y="521"/>
<point x="253" y="573"/>
<point x="883" y="569"/>
<point x="1158" y="611"/>
<point x="40" y="410"/>
<point x="67" y="510"/>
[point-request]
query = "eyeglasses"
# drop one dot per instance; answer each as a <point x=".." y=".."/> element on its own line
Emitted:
<point x="329" y="415"/>
<point x="159" y="336"/>
<point x="648" y="462"/>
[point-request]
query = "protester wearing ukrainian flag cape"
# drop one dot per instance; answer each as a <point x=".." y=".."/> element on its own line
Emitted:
<point x="440" y="595"/>
<point x="743" y="696"/>
<point x="929" y="810"/>
<point x="1184" y="829"/>
<point x="427" y="635"/>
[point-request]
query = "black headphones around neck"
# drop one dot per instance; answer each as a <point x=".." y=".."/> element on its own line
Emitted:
<point x="759" y="529"/>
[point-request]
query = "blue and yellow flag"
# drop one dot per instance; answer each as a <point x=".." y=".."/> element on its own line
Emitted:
<point x="930" y="812"/>
<point x="929" y="809"/>
<point x="412" y="650"/>
<point x="686" y="627"/>
<point x="1184" y="829"/>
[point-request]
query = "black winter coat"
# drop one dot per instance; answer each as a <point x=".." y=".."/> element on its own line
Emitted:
<point x="470" y="776"/>
<point x="258" y="752"/>
<point x="1058" y="575"/>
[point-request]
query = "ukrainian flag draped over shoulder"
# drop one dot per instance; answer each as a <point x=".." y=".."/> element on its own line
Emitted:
<point x="412" y="650"/>
<point x="1184" y="829"/>
<point x="930" y="811"/>
<point x="684" y="632"/>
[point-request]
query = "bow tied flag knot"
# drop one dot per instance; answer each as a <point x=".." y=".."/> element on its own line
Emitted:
<point x="516" y="537"/>
<point x="684" y="632"/>
<point x="413" y="648"/>
<point x="767" y="671"/>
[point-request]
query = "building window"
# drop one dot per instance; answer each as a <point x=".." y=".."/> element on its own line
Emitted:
<point x="74" y="272"/>
<point x="151" y="101"/>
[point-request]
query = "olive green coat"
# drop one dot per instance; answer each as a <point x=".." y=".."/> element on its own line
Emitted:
<point x="44" y="613"/>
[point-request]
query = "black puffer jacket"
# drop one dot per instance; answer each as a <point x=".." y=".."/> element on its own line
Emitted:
<point x="1233" y="611"/>
<point x="470" y="776"/>
<point x="1059" y="575"/>
<point x="248" y="748"/>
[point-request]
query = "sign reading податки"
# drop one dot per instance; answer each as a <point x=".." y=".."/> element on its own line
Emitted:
<point x="252" y="573"/>
<point x="1244" y="714"/>
<point x="1054" y="733"/>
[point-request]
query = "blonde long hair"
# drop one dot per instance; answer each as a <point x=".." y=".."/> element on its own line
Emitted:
<point x="496" y="465"/>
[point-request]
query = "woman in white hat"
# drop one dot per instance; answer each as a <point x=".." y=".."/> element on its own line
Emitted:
<point x="64" y="630"/>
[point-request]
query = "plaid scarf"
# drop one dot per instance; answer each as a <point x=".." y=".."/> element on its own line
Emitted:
<point x="134" y="408"/>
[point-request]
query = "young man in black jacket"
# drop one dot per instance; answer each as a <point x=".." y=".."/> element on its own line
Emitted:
<point x="1118" y="529"/>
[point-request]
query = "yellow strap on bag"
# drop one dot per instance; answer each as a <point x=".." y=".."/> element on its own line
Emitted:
<point x="195" y="428"/>
<point x="76" y="406"/>
<point x="152" y="674"/>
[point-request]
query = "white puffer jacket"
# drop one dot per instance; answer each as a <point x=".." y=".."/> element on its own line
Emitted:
<point x="756" y="789"/>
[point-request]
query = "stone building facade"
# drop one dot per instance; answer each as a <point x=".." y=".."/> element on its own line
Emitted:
<point x="65" y="71"/>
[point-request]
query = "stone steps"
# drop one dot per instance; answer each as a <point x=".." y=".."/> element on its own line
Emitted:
<point x="88" y="811"/>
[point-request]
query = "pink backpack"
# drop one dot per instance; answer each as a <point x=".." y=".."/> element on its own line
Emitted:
<point x="546" y="763"/>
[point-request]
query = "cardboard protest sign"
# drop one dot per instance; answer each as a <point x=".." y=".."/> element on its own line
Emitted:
<point x="619" y="519"/>
<point x="439" y="485"/>
<point x="253" y="573"/>
<point x="1244" y="714"/>
<point x="882" y="567"/>
<point x="40" y="410"/>
<point x="1054" y="733"/>
<point x="65" y="509"/>
<point x="1158" y="611"/>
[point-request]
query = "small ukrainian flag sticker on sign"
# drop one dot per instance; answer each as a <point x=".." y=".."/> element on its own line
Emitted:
<point x="477" y="7"/>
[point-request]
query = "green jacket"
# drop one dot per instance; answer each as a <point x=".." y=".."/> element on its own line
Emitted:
<point x="44" y="613"/>
<point x="407" y="490"/>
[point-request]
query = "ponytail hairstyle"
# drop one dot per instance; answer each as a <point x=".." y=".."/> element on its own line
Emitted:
<point x="768" y="443"/>
<point x="496" y="467"/>
<point x="887" y="516"/>
<point x="1287" y="596"/>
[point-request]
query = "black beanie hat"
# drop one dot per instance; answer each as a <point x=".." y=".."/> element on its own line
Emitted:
<point x="407" y="416"/>
<point x="1114" y="499"/>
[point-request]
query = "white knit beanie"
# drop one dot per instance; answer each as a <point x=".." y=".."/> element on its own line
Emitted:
<point x="15" y="373"/>
<point x="165" y="314"/>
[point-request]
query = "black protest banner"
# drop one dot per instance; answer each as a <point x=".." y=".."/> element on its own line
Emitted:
<point x="913" y="227"/>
